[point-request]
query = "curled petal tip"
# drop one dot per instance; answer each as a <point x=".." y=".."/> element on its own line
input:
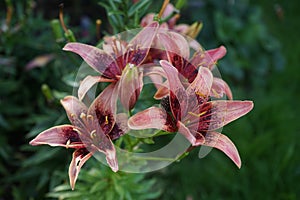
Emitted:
<point x="247" y="106"/>
<point x="111" y="160"/>
<point x="71" y="46"/>
<point x="239" y="165"/>
<point x="113" y="164"/>
<point x="32" y="142"/>
<point x="224" y="144"/>
<point x="115" y="169"/>
<point x="67" y="46"/>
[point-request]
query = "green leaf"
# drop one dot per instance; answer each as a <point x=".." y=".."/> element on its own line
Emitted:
<point x="140" y="5"/>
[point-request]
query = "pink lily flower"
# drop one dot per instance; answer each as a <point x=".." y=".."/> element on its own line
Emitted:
<point x="92" y="131"/>
<point x="118" y="62"/>
<point x="185" y="29"/>
<point x="190" y="112"/>
<point x="177" y="51"/>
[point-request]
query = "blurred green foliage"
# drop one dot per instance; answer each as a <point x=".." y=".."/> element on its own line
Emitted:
<point x="252" y="51"/>
<point x="267" y="138"/>
<point x="125" y="15"/>
<point x="99" y="182"/>
<point x="30" y="60"/>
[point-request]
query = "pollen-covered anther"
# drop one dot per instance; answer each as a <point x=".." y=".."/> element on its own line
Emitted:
<point x="90" y="117"/>
<point x="130" y="47"/>
<point x="78" y="131"/>
<point x="200" y="94"/>
<point x="93" y="134"/>
<point x="198" y="115"/>
<point x="68" y="143"/>
<point x="215" y="92"/>
<point x="131" y="65"/>
<point x="82" y="115"/>
<point x="106" y="119"/>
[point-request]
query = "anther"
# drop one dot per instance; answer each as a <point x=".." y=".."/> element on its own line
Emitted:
<point x="75" y="129"/>
<point x="98" y="26"/>
<point x="197" y="115"/>
<point x="215" y="92"/>
<point x="82" y="115"/>
<point x="68" y="143"/>
<point x="131" y="65"/>
<point x="93" y="134"/>
<point x="90" y="117"/>
<point x="106" y="119"/>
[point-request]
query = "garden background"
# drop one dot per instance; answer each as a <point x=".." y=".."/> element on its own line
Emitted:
<point x="263" y="51"/>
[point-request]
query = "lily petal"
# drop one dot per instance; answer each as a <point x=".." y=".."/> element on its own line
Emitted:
<point x="74" y="108"/>
<point x="114" y="46"/>
<point x="162" y="92"/>
<point x="178" y="96"/>
<point x="201" y="86"/>
<point x="80" y="156"/>
<point x="104" y="145"/>
<point x="139" y="46"/>
<point x="130" y="87"/>
<point x="224" y="112"/>
<point x="63" y="135"/>
<point x="223" y="143"/>
<point x="174" y="43"/>
<point x="88" y="82"/>
<point x="104" y="107"/>
<point x="195" y="140"/>
<point x="156" y="74"/>
<point x="217" y="53"/>
<point x="96" y="58"/>
<point x="219" y="88"/>
<point x="177" y="49"/>
<point x="208" y="58"/>
<point x="152" y="117"/>
<point x="120" y="127"/>
<point x="111" y="160"/>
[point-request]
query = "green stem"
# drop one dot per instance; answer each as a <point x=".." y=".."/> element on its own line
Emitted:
<point x="156" y="158"/>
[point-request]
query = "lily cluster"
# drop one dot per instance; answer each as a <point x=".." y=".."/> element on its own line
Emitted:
<point x="191" y="98"/>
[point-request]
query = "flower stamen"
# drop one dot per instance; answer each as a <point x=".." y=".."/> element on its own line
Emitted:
<point x="200" y="94"/>
<point x="82" y="116"/>
<point x="198" y="115"/>
<point x="106" y="120"/>
<point x="163" y="8"/>
<point x="93" y="134"/>
<point x="79" y="132"/>
<point x="68" y="143"/>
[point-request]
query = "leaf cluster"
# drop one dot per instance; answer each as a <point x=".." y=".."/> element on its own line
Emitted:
<point x="124" y="14"/>
<point x="99" y="182"/>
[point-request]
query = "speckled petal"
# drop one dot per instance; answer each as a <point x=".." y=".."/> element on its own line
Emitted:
<point x="219" y="88"/>
<point x="178" y="95"/>
<point x="152" y="117"/>
<point x="88" y="82"/>
<point x="195" y="140"/>
<point x="96" y="58"/>
<point x="74" y="108"/>
<point x="104" y="107"/>
<point x="80" y="156"/>
<point x="63" y="135"/>
<point x="224" y="112"/>
<point x="223" y="143"/>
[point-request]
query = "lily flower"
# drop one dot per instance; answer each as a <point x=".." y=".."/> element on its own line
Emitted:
<point x="172" y="15"/>
<point x="118" y="62"/>
<point x="190" y="112"/>
<point x="177" y="51"/>
<point x="92" y="131"/>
